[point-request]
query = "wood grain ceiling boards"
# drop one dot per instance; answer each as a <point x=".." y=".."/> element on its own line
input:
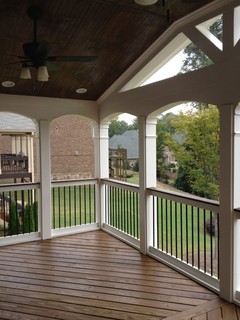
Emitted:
<point x="116" y="31"/>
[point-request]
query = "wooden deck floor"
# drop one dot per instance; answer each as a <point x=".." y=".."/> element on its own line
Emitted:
<point x="94" y="276"/>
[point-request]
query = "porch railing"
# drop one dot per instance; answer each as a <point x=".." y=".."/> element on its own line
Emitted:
<point x="73" y="203"/>
<point x="184" y="228"/>
<point x="18" y="209"/>
<point x="122" y="207"/>
<point x="187" y="228"/>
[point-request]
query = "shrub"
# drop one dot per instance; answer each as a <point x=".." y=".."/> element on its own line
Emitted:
<point x="14" y="224"/>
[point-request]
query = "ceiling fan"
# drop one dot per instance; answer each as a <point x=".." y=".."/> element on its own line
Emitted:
<point x="36" y="54"/>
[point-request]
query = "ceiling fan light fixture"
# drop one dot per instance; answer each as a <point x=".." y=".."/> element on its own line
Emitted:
<point x="25" y="73"/>
<point x="42" y="74"/>
<point x="145" y="2"/>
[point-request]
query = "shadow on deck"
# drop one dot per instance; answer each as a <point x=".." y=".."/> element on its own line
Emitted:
<point x="95" y="276"/>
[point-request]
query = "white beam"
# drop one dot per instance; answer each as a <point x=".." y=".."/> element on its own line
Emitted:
<point x="215" y="84"/>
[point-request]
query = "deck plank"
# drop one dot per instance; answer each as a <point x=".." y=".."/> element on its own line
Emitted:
<point x="215" y="314"/>
<point x="229" y="312"/>
<point x="94" y="276"/>
<point x="201" y="317"/>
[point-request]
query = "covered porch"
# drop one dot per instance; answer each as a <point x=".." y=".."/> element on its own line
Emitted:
<point x="164" y="225"/>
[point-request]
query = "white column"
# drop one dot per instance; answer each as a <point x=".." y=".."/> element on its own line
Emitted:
<point x="104" y="153"/>
<point x="31" y="156"/>
<point x="147" y="177"/>
<point x="236" y="274"/>
<point x="226" y="201"/>
<point x="45" y="179"/>
<point x="103" y="164"/>
<point x="96" y="149"/>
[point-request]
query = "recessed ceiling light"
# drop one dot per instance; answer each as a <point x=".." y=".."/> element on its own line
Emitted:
<point x="81" y="90"/>
<point x="146" y="2"/>
<point x="8" y="84"/>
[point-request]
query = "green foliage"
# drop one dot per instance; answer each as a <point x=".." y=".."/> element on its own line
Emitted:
<point x="198" y="155"/>
<point x="195" y="57"/>
<point x="35" y="213"/>
<point x="133" y="125"/>
<point x="182" y="182"/>
<point x="163" y="130"/>
<point x="117" y="127"/>
<point x="14" y="224"/>
<point x="136" y="166"/>
<point x="29" y="218"/>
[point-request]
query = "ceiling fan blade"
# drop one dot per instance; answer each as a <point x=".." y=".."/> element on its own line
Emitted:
<point x="52" y="67"/>
<point x="14" y="62"/>
<point x="72" y="58"/>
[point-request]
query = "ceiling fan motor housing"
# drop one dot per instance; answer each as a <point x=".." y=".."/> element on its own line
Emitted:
<point x="36" y="52"/>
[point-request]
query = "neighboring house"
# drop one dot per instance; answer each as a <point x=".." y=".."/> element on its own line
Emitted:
<point x="129" y="141"/>
<point x="16" y="147"/>
<point x="72" y="147"/>
<point x="169" y="157"/>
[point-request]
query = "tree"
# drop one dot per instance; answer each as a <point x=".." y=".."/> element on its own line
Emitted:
<point x="198" y="154"/>
<point x="117" y="127"/>
<point x="195" y="57"/>
<point x="163" y="129"/>
<point x="14" y="224"/>
<point x="133" y="125"/>
<point x="29" y="224"/>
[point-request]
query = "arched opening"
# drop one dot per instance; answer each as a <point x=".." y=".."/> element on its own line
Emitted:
<point x="72" y="172"/>
<point x="188" y="138"/>
<point x="17" y="148"/>
<point x="187" y="163"/>
<point x="123" y="148"/>
<point x="18" y="157"/>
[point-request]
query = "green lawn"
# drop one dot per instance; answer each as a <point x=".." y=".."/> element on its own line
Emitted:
<point x="72" y="206"/>
<point x="134" y="179"/>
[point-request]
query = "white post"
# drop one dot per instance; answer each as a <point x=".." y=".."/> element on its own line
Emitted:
<point x="236" y="279"/>
<point x="31" y="157"/>
<point x="45" y="179"/>
<point x="226" y="201"/>
<point x="147" y="177"/>
<point x="103" y="164"/>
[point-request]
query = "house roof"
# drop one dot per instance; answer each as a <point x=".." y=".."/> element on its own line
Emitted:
<point x="116" y="32"/>
<point x="128" y="140"/>
<point x="15" y="123"/>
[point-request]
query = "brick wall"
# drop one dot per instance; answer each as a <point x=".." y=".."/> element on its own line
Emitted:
<point x="5" y="144"/>
<point x="72" y="148"/>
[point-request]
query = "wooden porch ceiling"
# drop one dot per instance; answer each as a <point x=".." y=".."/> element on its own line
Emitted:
<point x="117" y="32"/>
<point x="93" y="276"/>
